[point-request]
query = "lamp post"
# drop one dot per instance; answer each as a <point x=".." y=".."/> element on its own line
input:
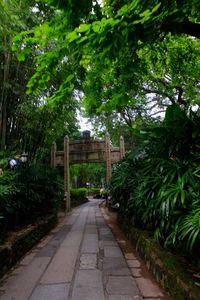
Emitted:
<point x="24" y="157"/>
<point x="13" y="163"/>
<point x="24" y="165"/>
<point x="88" y="186"/>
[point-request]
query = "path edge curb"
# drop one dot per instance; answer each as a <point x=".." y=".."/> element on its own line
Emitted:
<point x="167" y="270"/>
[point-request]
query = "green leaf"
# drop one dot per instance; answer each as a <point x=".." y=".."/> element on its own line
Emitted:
<point x="146" y="13"/>
<point x="72" y="36"/>
<point x="137" y="22"/>
<point x="70" y="77"/>
<point x="96" y="27"/>
<point x="156" y="7"/>
<point x="83" y="27"/>
<point x="192" y="238"/>
<point x="183" y="198"/>
<point x="21" y="56"/>
<point x="84" y="38"/>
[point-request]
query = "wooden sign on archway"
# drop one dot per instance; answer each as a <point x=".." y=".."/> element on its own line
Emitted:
<point x="85" y="150"/>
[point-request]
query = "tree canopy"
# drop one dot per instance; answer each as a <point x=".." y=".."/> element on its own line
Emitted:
<point x="129" y="59"/>
<point x="111" y="40"/>
<point x="26" y="122"/>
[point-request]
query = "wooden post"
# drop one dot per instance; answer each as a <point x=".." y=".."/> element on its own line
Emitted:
<point x="108" y="157"/>
<point x="121" y="147"/>
<point x="53" y="154"/>
<point x="66" y="175"/>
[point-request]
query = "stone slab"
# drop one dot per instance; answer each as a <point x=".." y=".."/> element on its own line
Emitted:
<point x="48" y="251"/>
<point x="115" y="266"/>
<point x="122" y="285"/>
<point x="136" y="272"/>
<point x="44" y="241"/>
<point x="99" y="217"/>
<point x="27" y="259"/>
<point x="17" y="270"/>
<point x="91" y="229"/>
<point x="88" y="261"/>
<point x="130" y="255"/>
<point x="73" y="238"/>
<point x="107" y="243"/>
<point x="51" y="292"/>
<point x="62" y="232"/>
<point x="21" y="286"/>
<point x="148" y="288"/>
<point x="133" y="263"/>
<point x="62" y="266"/>
<point x="107" y="237"/>
<point x="111" y="251"/>
<point x="91" y="222"/>
<point x="80" y="223"/>
<point x="105" y="230"/>
<point x="88" y="285"/>
<point x="98" y="214"/>
<point x="121" y="242"/>
<point x="90" y="243"/>
<point x="100" y="221"/>
<point x="71" y="220"/>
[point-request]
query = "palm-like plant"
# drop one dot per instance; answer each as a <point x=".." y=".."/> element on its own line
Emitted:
<point x="188" y="229"/>
<point x="158" y="183"/>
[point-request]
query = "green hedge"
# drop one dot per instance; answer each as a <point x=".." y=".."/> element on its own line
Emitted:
<point x="78" y="196"/>
<point x="93" y="191"/>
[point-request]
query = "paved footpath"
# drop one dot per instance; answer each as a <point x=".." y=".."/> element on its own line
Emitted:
<point x="80" y="260"/>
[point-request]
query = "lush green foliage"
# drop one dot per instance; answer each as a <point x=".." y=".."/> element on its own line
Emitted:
<point x="157" y="183"/>
<point x="78" y="196"/>
<point x="27" y="122"/>
<point x="8" y="188"/>
<point x="119" y="48"/>
<point x="125" y="56"/>
<point x="91" y="173"/>
<point x="30" y="193"/>
<point x="94" y="191"/>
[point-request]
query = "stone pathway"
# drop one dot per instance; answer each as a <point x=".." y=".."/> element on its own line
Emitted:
<point x="81" y="260"/>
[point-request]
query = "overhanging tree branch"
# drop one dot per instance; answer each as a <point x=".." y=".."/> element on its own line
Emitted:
<point x="186" y="27"/>
<point x="180" y="93"/>
<point x="192" y="29"/>
<point x="149" y="91"/>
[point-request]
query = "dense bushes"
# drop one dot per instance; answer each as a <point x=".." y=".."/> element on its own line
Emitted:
<point x="42" y="190"/>
<point x="29" y="193"/>
<point x="94" y="191"/>
<point x="78" y="196"/>
<point x="157" y="184"/>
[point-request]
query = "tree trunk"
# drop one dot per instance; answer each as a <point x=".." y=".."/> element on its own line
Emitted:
<point x="4" y="127"/>
<point x="3" y="107"/>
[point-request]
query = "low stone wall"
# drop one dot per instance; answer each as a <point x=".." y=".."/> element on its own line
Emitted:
<point x="22" y="241"/>
<point x="168" y="270"/>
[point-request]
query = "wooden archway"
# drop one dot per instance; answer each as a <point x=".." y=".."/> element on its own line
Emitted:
<point x="85" y="150"/>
